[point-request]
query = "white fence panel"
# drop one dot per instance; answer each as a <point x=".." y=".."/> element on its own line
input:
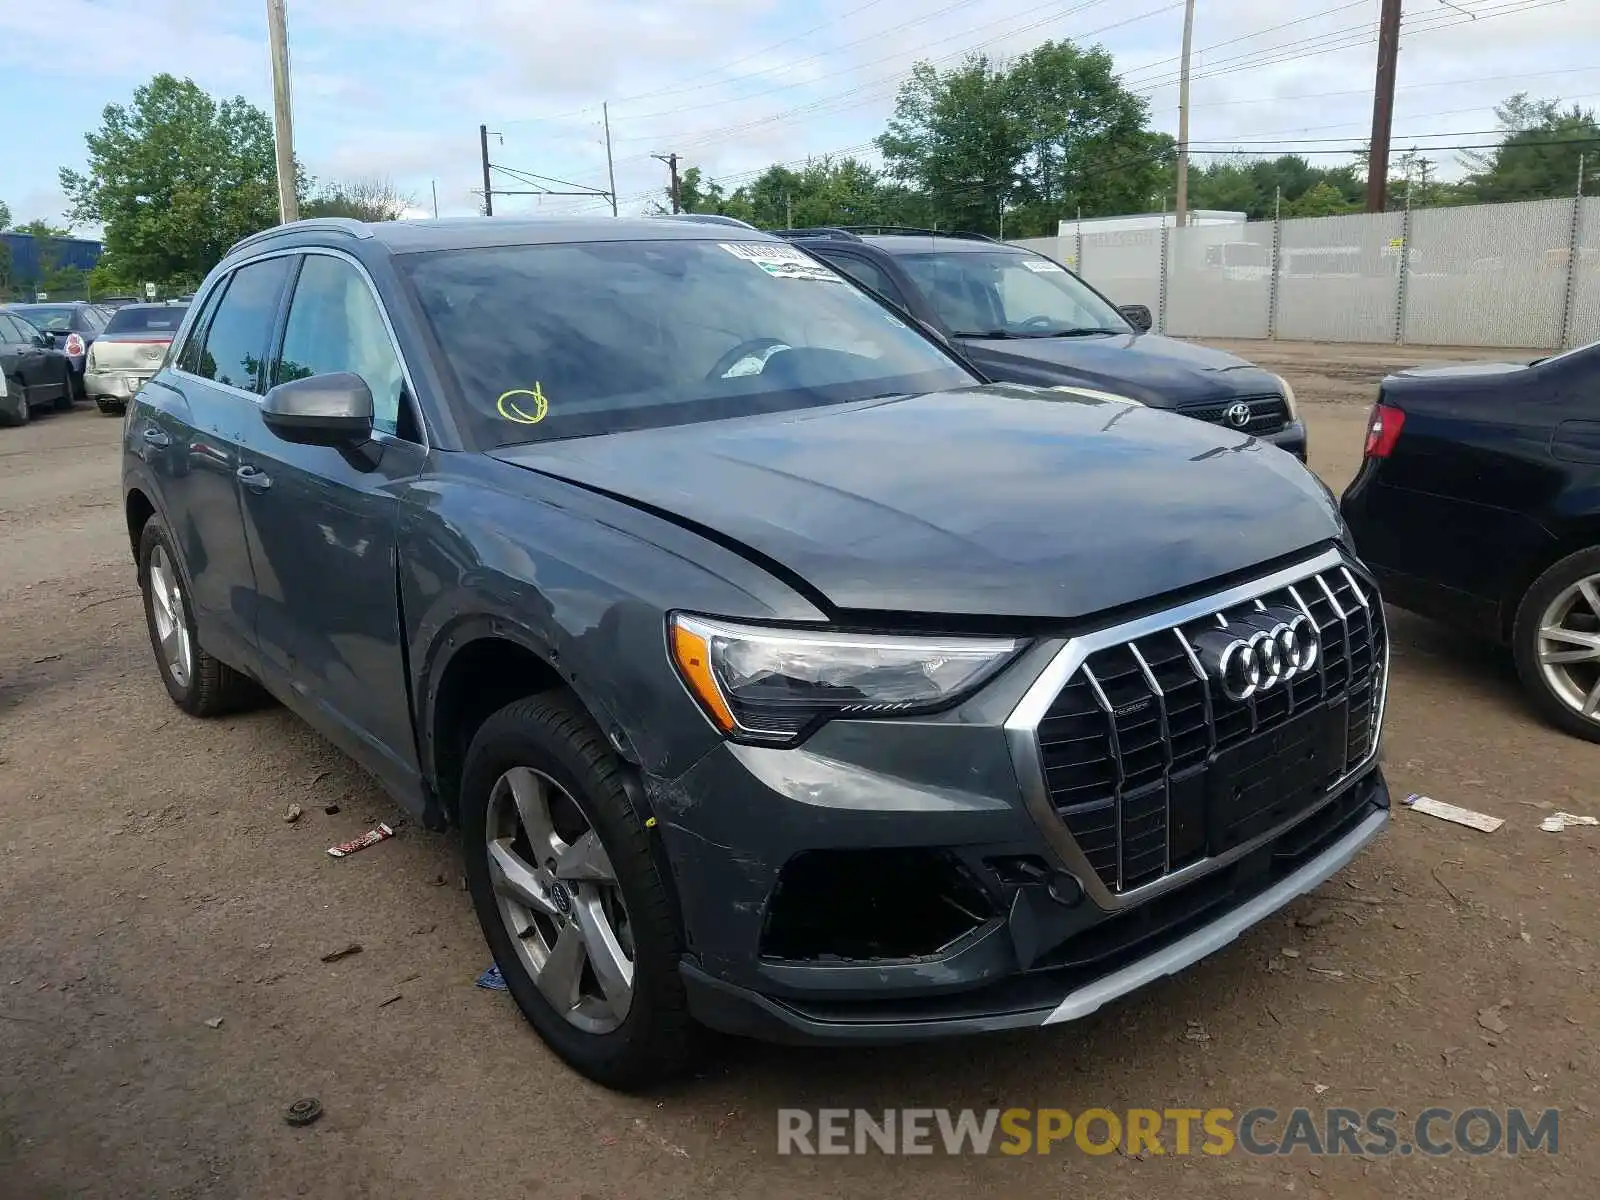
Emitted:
<point x="1126" y="266"/>
<point x="1488" y="274"/>
<point x="1058" y="248"/>
<point x="1338" y="278"/>
<point x="1584" y="323"/>
<point x="1219" y="281"/>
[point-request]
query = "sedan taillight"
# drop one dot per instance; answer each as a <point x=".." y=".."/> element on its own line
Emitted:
<point x="1383" y="430"/>
<point x="74" y="346"/>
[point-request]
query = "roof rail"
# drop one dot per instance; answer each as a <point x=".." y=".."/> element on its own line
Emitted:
<point x="348" y="226"/>
<point x="818" y="231"/>
<point x="706" y="219"/>
<point x="906" y="229"/>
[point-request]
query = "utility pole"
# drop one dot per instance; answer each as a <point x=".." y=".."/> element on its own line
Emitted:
<point x="788" y="210"/>
<point x="1183" y="116"/>
<point x="282" y="118"/>
<point x="1383" y="106"/>
<point x="611" y="171"/>
<point x="672" y="166"/>
<point x="488" y="188"/>
<point x="434" y="184"/>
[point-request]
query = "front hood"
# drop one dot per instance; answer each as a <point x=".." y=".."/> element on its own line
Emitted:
<point x="1155" y="370"/>
<point x="986" y="501"/>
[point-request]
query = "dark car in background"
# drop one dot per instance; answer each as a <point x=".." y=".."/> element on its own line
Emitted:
<point x="129" y="351"/>
<point x="33" y="372"/>
<point x="1478" y="504"/>
<point x="73" y="326"/>
<point x="781" y="675"/>
<point x="1021" y="317"/>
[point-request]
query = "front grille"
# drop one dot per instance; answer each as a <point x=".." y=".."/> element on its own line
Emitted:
<point x="1268" y="414"/>
<point x="1151" y="768"/>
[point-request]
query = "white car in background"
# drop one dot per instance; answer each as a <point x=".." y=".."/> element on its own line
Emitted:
<point x="131" y="349"/>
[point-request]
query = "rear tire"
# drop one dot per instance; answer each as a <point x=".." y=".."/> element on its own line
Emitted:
<point x="24" y="414"/>
<point x="548" y="740"/>
<point x="110" y="408"/>
<point x="1560" y="616"/>
<point x="199" y="684"/>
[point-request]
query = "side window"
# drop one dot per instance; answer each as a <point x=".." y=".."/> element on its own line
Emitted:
<point x="869" y="275"/>
<point x="12" y="330"/>
<point x="237" y="340"/>
<point x="189" y="357"/>
<point x="335" y="325"/>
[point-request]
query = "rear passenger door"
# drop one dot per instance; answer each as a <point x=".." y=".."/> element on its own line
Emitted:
<point x="321" y="526"/>
<point x="188" y="425"/>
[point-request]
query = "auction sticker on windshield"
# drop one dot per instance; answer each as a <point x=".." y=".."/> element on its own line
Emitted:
<point x="1040" y="266"/>
<point x="781" y="262"/>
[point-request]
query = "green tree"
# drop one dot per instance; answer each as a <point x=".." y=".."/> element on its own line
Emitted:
<point x="374" y="199"/>
<point x="1539" y="157"/>
<point x="176" y="178"/>
<point x="1321" y="200"/>
<point x="1261" y="188"/>
<point x="1046" y="135"/>
<point x="5" y="215"/>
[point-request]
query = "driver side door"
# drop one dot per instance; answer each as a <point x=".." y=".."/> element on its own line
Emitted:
<point x="321" y="524"/>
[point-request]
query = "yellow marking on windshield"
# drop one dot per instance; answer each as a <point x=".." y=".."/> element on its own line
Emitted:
<point x="518" y="411"/>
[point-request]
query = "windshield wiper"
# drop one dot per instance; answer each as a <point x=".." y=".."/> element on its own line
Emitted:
<point x="986" y="333"/>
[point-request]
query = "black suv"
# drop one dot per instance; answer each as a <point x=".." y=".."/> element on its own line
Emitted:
<point x="1021" y="317"/>
<point x="779" y="674"/>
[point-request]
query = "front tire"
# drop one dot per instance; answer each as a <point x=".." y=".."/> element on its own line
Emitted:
<point x="109" y="407"/>
<point x="199" y="684"/>
<point x="1556" y="642"/>
<point x="570" y="896"/>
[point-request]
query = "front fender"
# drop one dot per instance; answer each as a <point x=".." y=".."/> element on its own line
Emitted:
<point x="583" y="582"/>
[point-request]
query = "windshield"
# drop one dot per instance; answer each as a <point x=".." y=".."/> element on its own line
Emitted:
<point x="569" y="340"/>
<point x="54" y="320"/>
<point x="1009" y="293"/>
<point x="162" y="320"/>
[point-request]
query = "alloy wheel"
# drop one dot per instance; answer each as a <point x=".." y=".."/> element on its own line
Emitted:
<point x="559" y="899"/>
<point x="172" y="626"/>
<point x="1569" y="647"/>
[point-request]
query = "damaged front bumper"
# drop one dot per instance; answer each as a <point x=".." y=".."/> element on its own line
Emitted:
<point x="948" y="913"/>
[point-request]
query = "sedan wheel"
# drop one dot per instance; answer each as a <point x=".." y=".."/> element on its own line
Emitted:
<point x="1569" y="647"/>
<point x="1556" y="641"/>
<point x="559" y="900"/>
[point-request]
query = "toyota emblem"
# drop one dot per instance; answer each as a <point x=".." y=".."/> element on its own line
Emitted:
<point x="1237" y="415"/>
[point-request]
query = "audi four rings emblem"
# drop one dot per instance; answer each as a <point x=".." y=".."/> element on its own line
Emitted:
<point x="1256" y="652"/>
<point x="1237" y="415"/>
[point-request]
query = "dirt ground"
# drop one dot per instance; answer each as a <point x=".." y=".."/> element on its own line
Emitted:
<point x="149" y="886"/>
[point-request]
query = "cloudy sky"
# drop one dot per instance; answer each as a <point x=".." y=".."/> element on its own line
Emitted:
<point x="397" y="88"/>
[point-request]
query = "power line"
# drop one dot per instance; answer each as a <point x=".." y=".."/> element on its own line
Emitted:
<point x="702" y="137"/>
<point x="1071" y="9"/>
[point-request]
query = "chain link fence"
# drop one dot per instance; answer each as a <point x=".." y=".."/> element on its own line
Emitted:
<point x="1511" y="275"/>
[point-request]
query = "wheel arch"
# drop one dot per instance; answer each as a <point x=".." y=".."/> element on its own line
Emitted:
<point x="1580" y="534"/>
<point x="480" y="665"/>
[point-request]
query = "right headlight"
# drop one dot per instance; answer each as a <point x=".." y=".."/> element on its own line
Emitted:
<point x="771" y="685"/>
<point x="1288" y="397"/>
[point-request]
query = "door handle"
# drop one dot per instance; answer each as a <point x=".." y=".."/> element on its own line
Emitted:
<point x="253" y="478"/>
<point x="154" y="437"/>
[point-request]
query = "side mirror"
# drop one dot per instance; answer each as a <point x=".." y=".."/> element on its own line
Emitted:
<point x="321" y="410"/>
<point x="45" y="341"/>
<point x="1138" y="316"/>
